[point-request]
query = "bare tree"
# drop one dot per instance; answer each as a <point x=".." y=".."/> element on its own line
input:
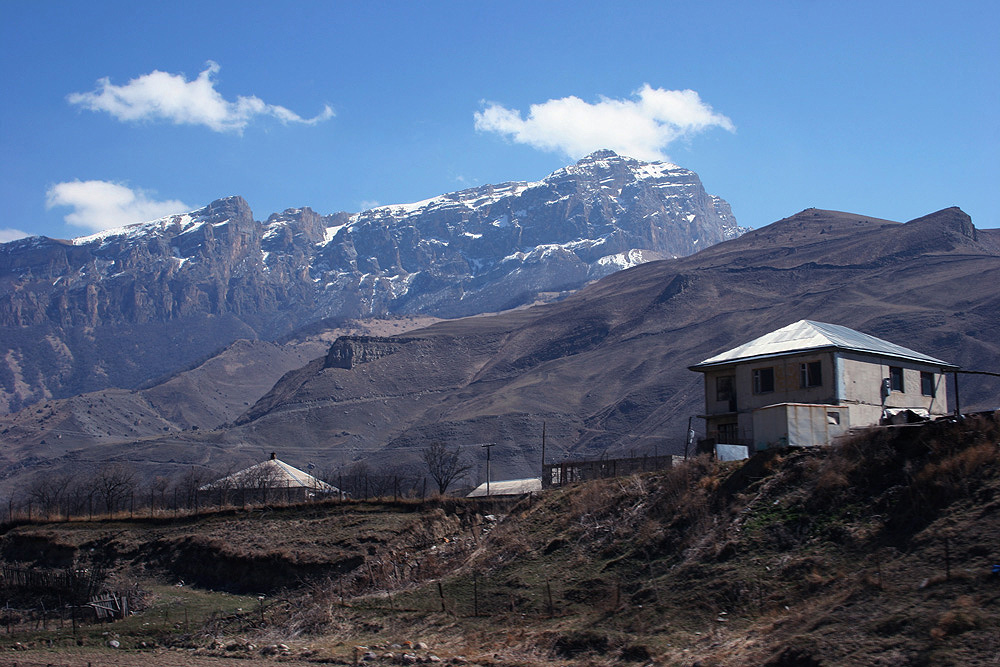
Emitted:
<point x="112" y="484"/>
<point x="263" y="479"/>
<point x="77" y="499"/>
<point x="189" y="484"/>
<point x="159" y="488"/>
<point x="357" y="480"/>
<point x="444" y="465"/>
<point x="48" y="493"/>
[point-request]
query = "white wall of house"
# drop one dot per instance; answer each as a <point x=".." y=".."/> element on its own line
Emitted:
<point x="863" y="376"/>
<point x="845" y="378"/>
<point x="787" y="388"/>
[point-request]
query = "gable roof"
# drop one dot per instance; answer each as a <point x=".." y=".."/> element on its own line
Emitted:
<point x="271" y="474"/>
<point x="806" y="335"/>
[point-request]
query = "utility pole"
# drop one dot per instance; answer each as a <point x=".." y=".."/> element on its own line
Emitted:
<point x="488" y="445"/>
<point x="543" y="450"/>
<point x="688" y="438"/>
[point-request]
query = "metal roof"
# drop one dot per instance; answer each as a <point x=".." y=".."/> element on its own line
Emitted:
<point x="509" y="487"/>
<point x="271" y="474"/>
<point x="807" y="335"/>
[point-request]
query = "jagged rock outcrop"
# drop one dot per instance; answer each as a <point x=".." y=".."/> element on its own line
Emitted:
<point x="125" y="305"/>
<point x="349" y="351"/>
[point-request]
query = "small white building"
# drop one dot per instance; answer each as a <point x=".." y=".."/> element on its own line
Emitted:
<point x="810" y="381"/>
<point x="508" y="487"/>
<point x="272" y="479"/>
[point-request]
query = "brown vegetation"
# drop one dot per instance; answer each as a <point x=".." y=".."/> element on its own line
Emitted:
<point x="878" y="551"/>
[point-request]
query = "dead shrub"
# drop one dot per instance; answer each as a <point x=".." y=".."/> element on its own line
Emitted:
<point x="962" y="617"/>
<point x="590" y="499"/>
<point x="507" y="541"/>
<point x="953" y="475"/>
<point x="832" y="481"/>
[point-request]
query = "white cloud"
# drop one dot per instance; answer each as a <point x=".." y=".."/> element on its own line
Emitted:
<point x="164" y="96"/>
<point x="642" y="127"/>
<point x="100" y="205"/>
<point x="8" y="235"/>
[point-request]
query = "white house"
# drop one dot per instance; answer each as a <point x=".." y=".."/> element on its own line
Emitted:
<point x="271" y="479"/>
<point x="810" y="381"/>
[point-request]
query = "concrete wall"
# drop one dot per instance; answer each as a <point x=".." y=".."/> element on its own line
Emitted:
<point x="799" y="425"/>
<point x="862" y="387"/>
<point x="848" y="378"/>
<point x="787" y="387"/>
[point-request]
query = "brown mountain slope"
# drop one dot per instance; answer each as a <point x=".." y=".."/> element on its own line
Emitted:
<point x="92" y="426"/>
<point x="606" y="369"/>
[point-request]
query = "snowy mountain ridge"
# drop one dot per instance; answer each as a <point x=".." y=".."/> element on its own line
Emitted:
<point x="482" y="249"/>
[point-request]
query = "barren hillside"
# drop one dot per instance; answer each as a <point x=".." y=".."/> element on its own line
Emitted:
<point x="878" y="551"/>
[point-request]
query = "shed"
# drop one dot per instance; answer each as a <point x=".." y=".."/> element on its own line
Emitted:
<point x="798" y="424"/>
<point x="510" y="487"/>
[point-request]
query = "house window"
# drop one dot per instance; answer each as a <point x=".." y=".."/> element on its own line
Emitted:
<point x="728" y="434"/>
<point x="724" y="390"/>
<point x="927" y="387"/>
<point x="811" y="374"/>
<point x="763" y="380"/>
<point x="896" y="379"/>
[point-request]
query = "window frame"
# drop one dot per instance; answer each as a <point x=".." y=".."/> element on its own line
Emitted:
<point x="928" y="384"/>
<point x="728" y="433"/>
<point x="721" y="395"/>
<point x="810" y="374"/>
<point x="758" y="375"/>
<point x="897" y="379"/>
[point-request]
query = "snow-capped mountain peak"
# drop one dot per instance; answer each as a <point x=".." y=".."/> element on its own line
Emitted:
<point x="474" y="250"/>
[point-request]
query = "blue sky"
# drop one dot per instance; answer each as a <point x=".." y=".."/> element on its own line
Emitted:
<point x="121" y="110"/>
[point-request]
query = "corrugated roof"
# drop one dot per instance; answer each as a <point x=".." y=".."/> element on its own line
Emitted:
<point x="809" y="335"/>
<point x="509" y="487"/>
<point x="272" y="474"/>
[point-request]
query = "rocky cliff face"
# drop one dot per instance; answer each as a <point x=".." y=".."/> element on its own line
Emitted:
<point x="125" y="305"/>
<point x="349" y="351"/>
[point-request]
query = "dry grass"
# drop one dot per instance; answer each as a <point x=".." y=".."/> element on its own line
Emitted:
<point x="872" y="553"/>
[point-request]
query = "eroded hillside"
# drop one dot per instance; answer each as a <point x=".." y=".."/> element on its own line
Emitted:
<point x="878" y="551"/>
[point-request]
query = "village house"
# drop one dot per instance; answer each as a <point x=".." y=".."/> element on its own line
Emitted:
<point x="269" y="481"/>
<point x="808" y="382"/>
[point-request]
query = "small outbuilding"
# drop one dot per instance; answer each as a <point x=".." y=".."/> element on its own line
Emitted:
<point x="270" y="480"/>
<point x="510" y="487"/>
